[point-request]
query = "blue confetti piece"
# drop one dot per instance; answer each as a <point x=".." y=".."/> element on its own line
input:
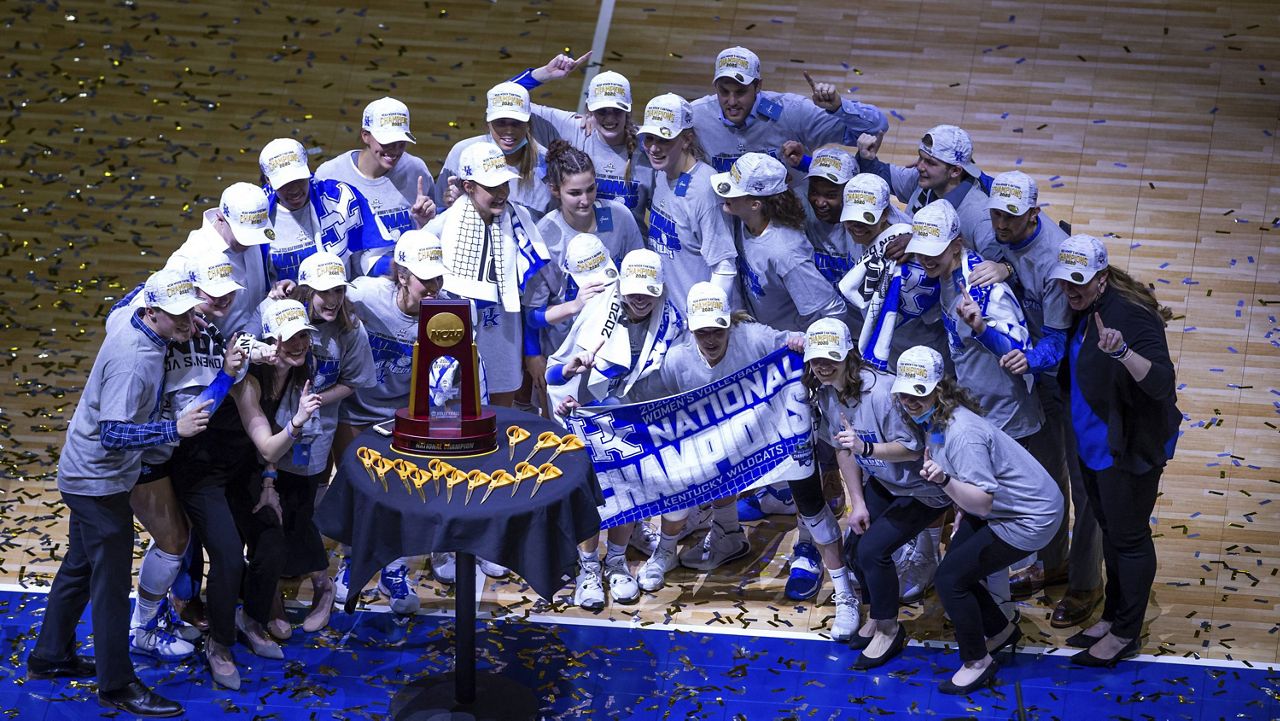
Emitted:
<point x="1019" y="61"/>
<point x="1001" y="47"/>
<point x="1211" y="47"/>
<point x="853" y="89"/>
<point x="1195" y="515"/>
<point x="1011" y="17"/>
<point x="1003" y="116"/>
<point x="896" y="114"/>
<point x="1267" y="133"/>
<point x="844" y="65"/>
<point x="1055" y="177"/>
<point x="1188" y="281"/>
<point x="1188" y="329"/>
<point x="1162" y="280"/>
<point x="1164" y="265"/>
<point x="1193" y="535"/>
<point x="1251" y="259"/>
<point x="1232" y="264"/>
<point x="1232" y="349"/>
<point x="1181" y="386"/>
<point x="1215" y="110"/>
<point x="1120" y="165"/>
<point x="1018" y="161"/>
<point x="1058" y="185"/>
<point x="1215" y="370"/>
<point x="1099" y="122"/>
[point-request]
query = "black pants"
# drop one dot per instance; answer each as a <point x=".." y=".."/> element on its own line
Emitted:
<point x="98" y="565"/>
<point x="894" y="521"/>
<point x="289" y="548"/>
<point x="975" y="553"/>
<point x="1123" y="503"/>
<point x="211" y="519"/>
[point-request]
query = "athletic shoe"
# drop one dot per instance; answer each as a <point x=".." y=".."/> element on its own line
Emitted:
<point x="847" y="616"/>
<point x="622" y="585"/>
<point x="699" y="520"/>
<point x="491" y="569"/>
<point x="171" y="622"/>
<point x="766" y="501"/>
<point x="588" y="592"/>
<point x="443" y="566"/>
<point x="653" y="573"/>
<point x="394" y="584"/>
<point x="341" y="581"/>
<point x="805" y="576"/>
<point x="916" y="580"/>
<point x="644" y="537"/>
<point x="151" y="639"/>
<point x="718" y="547"/>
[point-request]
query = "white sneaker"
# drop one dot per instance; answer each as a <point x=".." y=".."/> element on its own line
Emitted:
<point x="170" y="621"/>
<point x="653" y="573"/>
<point x="444" y="567"/>
<point x="394" y="584"/>
<point x="847" y="616"/>
<point x="153" y="640"/>
<point x="916" y="580"/>
<point x="341" y="581"/>
<point x="622" y="585"/>
<point x="645" y="537"/>
<point x="491" y="569"/>
<point x="718" y="547"/>
<point x="699" y="520"/>
<point x="588" y="593"/>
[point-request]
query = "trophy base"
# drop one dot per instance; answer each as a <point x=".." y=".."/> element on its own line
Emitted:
<point x="464" y="437"/>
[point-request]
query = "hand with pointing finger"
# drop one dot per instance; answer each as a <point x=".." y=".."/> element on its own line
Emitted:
<point x="423" y="208"/>
<point x="847" y="438"/>
<point x="1110" y="340"/>
<point x="971" y="314"/>
<point x="825" y="95"/>
<point x="194" y="420"/>
<point x="560" y="66"/>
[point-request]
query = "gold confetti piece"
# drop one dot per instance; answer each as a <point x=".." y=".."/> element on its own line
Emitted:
<point x="475" y="479"/>
<point x="545" y="473"/>
<point x="568" y="442"/>
<point x="515" y="434"/>
<point x="547" y="439"/>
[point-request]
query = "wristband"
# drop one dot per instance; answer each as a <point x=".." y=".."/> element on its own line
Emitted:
<point x="946" y="480"/>
<point x="1121" y="354"/>
<point x="867" y="449"/>
<point x="296" y="425"/>
<point x="270" y="474"/>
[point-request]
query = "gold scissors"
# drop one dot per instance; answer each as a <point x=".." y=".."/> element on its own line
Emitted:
<point x="439" y="470"/>
<point x="499" y="478"/>
<point x="454" y="478"/>
<point x="568" y="442"/>
<point x="546" y="472"/>
<point x="547" y="439"/>
<point x="420" y="478"/>
<point x="404" y="468"/>
<point x="381" y="465"/>
<point x="367" y="457"/>
<point x="475" y="479"/>
<point x="515" y="434"/>
<point x="523" y="471"/>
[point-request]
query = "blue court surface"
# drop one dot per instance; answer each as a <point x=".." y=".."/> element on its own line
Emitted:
<point x="353" y="669"/>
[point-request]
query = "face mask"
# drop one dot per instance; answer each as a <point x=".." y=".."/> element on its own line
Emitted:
<point x="923" y="418"/>
<point x="516" y="149"/>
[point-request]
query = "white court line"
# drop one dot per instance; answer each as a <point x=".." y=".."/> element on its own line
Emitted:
<point x="597" y="49"/>
<point x="553" y="620"/>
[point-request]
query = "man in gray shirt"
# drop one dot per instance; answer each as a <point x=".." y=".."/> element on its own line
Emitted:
<point x="117" y="417"/>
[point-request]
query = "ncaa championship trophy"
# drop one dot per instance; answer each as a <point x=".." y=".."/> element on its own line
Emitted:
<point x="444" y="330"/>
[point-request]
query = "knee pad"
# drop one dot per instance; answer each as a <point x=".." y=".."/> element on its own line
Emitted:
<point x="159" y="569"/>
<point x="823" y="526"/>
<point x="679" y="515"/>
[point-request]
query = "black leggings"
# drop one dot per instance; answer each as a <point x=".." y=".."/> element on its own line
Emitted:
<point x="894" y="521"/>
<point x="1123" y="503"/>
<point x="975" y="552"/>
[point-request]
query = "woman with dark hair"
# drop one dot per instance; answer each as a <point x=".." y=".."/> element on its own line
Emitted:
<point x="1122" y="387"/>
<point x="1009" y="507"/>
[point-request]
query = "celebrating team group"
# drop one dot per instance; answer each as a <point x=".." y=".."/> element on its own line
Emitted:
<point x="970" y="365"/>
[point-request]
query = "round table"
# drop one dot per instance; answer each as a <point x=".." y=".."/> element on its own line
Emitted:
<point x="535" y="535"/>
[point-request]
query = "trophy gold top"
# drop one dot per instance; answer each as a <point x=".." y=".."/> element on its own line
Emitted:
<point x="445" y="329"/>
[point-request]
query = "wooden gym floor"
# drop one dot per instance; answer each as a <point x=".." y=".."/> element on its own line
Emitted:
<point x="1150" y="123"/>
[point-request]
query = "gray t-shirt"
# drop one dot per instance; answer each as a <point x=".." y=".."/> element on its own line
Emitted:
<point x="532" y="193"/>
<point x="875" y="417"/>
<point x="249" y="270"/>
<point x="1033" y="259"/>
<point x="391" y="334"/>
<point x="125" y="385"/>
<point x="340" y="357"/>
<point x="688" y="229"/>
<point x="1009" y="403"/>
<point x="390" y="197"/>
<point x="782" y="286"/>
<point x="685" y="369"/>
<point x="610" y="161"/>
<point x="1026" y="506"/>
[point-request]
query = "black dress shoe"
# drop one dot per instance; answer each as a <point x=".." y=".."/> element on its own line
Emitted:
<point x="1075" y="608"/>
<point x="1082" y="640"/>
<point x="74" y="667"/>
<point x="988" y="674"/>
<point x="859" y="642"/>
<point x="1086" y="657"/>
<point x="866" y="663"/>
<point x="139" y="700"/>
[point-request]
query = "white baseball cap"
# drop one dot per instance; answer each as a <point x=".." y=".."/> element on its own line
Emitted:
<point x="283" y="319"/>
<point x="919" y="371"/>
<point x="245" y="208"/>
<point x="283" y="161"/>
<point x="214" y="274"/>
<point x="508" y="100"/>
<point x="866" y="196"/>
<point x="666" y="116"/>
<point x="322" y="270"/>
<point x="641" y="273"/>
<point x="609" y="90"/>
<point x="827" y="338"/>
<point x="933" y="228"/>
<point x="1013" y="192"/>
<point x="1080" y="257"/>
<point x="588" y="261"/>
<point x="951" y="145"/>
<point x="387" y="120"/>
<point x="754" y="174"/>
<point x="833" y="164"/>
<point x="484" y="163"/>
<point x="737" y="63"/>
<point x="708" y="306"/>
<point x="171" y="290"/>
<point x="421" y="253"/>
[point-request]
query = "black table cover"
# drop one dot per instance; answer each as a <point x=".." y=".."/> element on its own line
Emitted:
<point x="535" y="537"/>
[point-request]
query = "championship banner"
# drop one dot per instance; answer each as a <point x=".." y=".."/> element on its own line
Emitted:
<point x="746" y="430"/>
